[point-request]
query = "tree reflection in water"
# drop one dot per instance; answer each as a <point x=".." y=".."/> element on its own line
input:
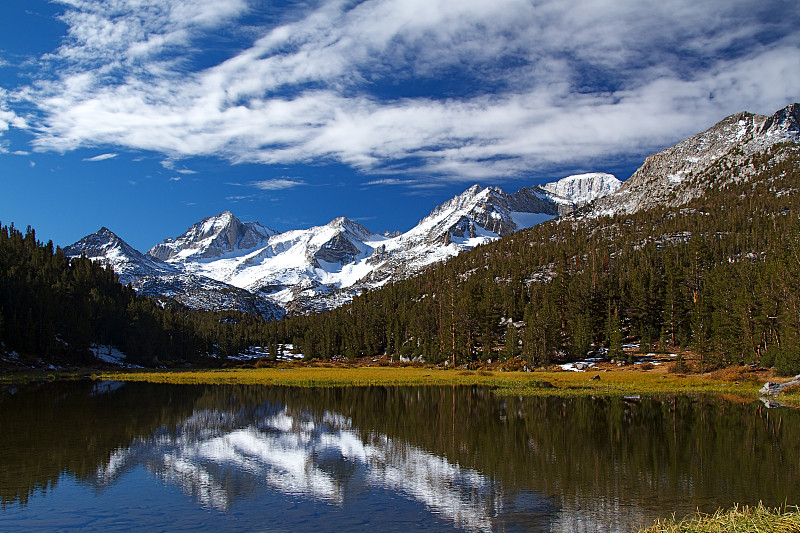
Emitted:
<point x="480" y="461"/>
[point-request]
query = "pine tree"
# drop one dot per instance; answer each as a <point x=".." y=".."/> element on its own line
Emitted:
<point x="614" y="334"/>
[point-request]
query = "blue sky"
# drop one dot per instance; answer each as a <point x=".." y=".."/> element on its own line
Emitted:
<point x="148" y="115"/>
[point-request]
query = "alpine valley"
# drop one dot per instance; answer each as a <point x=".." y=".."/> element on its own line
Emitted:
<point x="696" y="252"/>
<point x="223" y="263"/>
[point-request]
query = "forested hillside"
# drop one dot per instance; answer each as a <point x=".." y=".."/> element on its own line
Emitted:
<point x="720" y="275"/>
<point x="52" y="309"/>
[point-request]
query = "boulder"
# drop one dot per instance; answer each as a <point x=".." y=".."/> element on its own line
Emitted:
<point x="771" y="388"/>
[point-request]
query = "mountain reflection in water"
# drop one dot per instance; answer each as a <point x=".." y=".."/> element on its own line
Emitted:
<point x="216" y="455"/>
<point x="386" y="458"/>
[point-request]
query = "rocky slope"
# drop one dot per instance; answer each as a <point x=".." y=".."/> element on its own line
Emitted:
<point x="683" y="172"/>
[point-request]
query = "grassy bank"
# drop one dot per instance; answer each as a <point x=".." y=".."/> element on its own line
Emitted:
<point x="758" y="519"/>
<point x="524" y="383"/>
<point x="790" y="397"/>
<point x="735" y="383"/>
<point x="34" y="376"/>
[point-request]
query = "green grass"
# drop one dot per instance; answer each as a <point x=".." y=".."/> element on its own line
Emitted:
<point x="757" y="519"/>
<point x="790" y="396"/>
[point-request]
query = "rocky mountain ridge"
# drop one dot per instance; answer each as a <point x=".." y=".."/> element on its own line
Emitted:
<point x="320" y="267"/>
<point x="152" y="277"/>
<point x="680" y="173"/>
<point x="213" y="237"/>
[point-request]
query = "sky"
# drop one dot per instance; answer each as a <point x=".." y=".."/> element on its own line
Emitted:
<point x="145" y="116"/>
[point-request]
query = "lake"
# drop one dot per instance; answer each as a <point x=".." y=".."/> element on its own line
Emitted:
<point x="111" y="456"/>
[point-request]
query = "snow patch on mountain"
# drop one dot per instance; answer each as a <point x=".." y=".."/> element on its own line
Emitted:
<point x="581" y="189"/>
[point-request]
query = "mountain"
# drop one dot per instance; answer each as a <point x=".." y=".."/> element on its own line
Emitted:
<point x="212" y="238"/>
<point x="722" y="154"/>
<point x="222" y="262"/>
<point x="152" y="277"/>
<point x="582" y="189"/>
<point x="295" y="264"/>
<point x="129" y="264"/>
<point x="324" y="266"/>
<point x="696" y="254"/>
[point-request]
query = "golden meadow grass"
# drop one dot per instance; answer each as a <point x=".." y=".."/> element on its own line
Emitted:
<point x="526" y="383"/>
<point x="539" y="383"/>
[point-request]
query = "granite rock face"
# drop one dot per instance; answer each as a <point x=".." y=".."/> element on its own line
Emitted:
<point x="677" y="175"/>
<point x="213" y="237"/>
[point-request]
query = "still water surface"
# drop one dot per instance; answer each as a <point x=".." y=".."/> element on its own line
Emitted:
<point x="111" y="456"/>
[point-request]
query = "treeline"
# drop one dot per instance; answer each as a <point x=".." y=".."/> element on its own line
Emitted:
<point x="720" y="275"/>
<point x="53" y="309"/>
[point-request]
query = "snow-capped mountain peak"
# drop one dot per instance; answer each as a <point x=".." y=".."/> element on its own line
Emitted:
<point x="480" y="214"/>
<point x="213" y="237"/>
<point x="323" y="266"/>
<point x="128" y="263"/>
<point x="581" y="189"/>
<point x="350" y="227"/>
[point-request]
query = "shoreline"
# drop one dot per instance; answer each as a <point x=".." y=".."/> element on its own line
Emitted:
<point x="737" y="385"/>
<point x="591" y="383"/>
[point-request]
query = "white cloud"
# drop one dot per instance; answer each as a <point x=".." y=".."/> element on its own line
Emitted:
<point x="276" y="184"/>
<point x="389" y="181"/>
<point x="113" y="33"/>
<point x="101" y="157"/>
<point x="170" y="165"/>
<point x="539" y="84"/>
<point x="9" y="118"/>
